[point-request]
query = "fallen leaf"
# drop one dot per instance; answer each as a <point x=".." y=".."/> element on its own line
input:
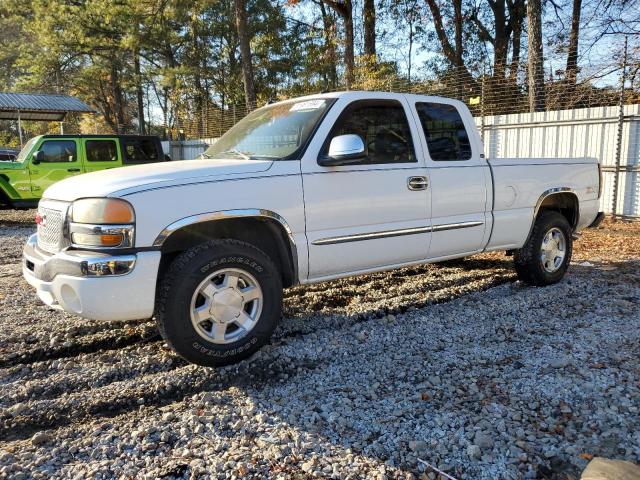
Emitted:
<point x="586" y="456"/>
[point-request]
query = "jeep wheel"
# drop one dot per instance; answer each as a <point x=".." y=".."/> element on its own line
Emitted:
<point x="544" y="259"/>
<point x="219" y="302"/>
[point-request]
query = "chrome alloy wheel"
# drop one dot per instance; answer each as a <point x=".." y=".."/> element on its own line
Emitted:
<point x="226" y="305"/>
<point x="553" y="250"/>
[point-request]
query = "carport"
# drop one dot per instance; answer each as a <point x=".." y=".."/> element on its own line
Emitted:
<point x="39" y="107"/>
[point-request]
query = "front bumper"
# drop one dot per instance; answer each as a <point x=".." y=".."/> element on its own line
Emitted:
<point x="98" y="286"/>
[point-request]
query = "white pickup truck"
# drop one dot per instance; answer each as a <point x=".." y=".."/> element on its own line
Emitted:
<point x="300" y="191"/>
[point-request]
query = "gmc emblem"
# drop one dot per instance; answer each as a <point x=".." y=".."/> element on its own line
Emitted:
<point x="41" y="220"/>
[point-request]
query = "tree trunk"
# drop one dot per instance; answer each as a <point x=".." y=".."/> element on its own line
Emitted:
<point x="345" y="10"/>
<point x="572" y="53"/>
<point x="536" y="58"/>
<point x="330" y="45"/>
<point x="369" y="20"/>
<point x="500" y="39"/>
<point x="245" y="54"/>
<point x="516" y="16"/>
<point x="139" y="93"/>
<point x="118" y="107"/>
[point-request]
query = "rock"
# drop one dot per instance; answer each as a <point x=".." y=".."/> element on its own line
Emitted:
<point x="562" y="362"/>
<point x="483" y="440"/>
<point x="604" y="469"/>
<point x="418" y="446"/>
<point x="168" y="417"/>
<point x="41" y="438"/>
<point x="474" y="452"/>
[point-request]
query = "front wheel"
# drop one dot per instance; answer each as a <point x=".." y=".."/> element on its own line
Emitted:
<point x="219" y="302"/>
<point x="544" y="259"/>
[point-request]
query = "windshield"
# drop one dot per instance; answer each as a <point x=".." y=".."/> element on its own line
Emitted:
<point x="276" y="132"/>
<point x="27" y="148"/>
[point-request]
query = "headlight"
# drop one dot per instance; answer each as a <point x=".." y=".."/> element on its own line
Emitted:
<point x="102" y="222"/>
<point x="105" y="211"/>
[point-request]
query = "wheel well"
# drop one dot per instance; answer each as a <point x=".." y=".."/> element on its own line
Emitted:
<point x="565" y="203"/>
<point x="264" y="233"/>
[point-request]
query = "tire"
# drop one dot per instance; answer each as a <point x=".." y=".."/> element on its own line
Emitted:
<point x="208" y="292"/>
<point x="531" y="266"/>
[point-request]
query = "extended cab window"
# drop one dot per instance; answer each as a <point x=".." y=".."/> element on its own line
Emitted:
<point x="444" y="130"/>
<point x="58" y="151"/>
<point x="101" y="150"/>
<point x="140" y="150"/>
<point x="383" y="127"/>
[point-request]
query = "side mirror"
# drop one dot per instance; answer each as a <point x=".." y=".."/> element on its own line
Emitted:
<point x="344" y="150"/>
<point x="37" y="157"/>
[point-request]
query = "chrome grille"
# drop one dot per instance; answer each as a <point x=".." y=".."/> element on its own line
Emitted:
<point x="51" y="231"/>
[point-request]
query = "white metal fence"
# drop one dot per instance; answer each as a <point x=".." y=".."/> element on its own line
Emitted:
<point x="609" y="134"/>
<point x="186" y="149"/>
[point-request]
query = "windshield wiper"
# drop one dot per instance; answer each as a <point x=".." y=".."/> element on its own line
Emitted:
<point x="238" y="153"/>
<point x="205" y="155"/>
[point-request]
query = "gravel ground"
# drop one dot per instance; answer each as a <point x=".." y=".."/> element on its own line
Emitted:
<point x="456" y="364"/>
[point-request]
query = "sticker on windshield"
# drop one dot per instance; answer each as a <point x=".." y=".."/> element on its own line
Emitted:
<point x="308" y="105"/>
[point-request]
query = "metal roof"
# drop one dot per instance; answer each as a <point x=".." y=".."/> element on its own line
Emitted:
<point x="37" y="106"/>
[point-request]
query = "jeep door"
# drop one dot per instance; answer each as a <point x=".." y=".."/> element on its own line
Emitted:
<point x="101" y="153"/>
<point x="59" y="160"/>
<point x="373" y="213"/>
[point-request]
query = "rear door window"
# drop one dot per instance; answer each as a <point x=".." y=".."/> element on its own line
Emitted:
<point x="444" y="129"/>
<point x="101" y="150"/>
<point x="140" y="150"/>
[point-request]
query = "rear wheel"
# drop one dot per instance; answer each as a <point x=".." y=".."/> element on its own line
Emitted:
<point x="544" y="259"/>
<point x="219" y="302"/>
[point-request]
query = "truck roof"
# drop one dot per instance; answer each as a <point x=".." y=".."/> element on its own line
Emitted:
<point x="363" y="94"/>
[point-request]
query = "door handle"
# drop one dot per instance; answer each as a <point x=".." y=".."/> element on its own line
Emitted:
<point x="73" y="169"/>
<point x="417" y="183"/>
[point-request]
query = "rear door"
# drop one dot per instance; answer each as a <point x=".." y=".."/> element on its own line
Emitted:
<point x="101" y="153"/>
<point x="459" y="177"/>
<point x="60" y="160"/>
<point x="366" y="215"/>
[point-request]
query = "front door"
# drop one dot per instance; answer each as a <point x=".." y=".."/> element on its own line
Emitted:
<point x="59" y="161"/>
<point x="374" y="213"/>
<point x="101" y="153"/>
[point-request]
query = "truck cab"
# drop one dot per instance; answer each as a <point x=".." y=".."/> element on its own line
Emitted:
<point x="47" y="159"/>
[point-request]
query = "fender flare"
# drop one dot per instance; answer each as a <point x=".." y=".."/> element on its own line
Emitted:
<point x="228" y="214"/>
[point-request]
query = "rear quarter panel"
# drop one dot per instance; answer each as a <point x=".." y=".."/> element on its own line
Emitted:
<point x="520" y="183"/>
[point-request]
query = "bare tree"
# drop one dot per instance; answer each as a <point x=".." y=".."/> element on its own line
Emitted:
<point x="245" y="53"/>
<point x="453" y="53"/>
<point x="536" y="58"/>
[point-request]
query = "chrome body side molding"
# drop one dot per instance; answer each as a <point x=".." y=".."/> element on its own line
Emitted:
<point x="456" y="226"/>
<point x="371" y="236"/>
<point x="394" y="233"/>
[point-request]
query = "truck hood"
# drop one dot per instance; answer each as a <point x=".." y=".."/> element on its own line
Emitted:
<point x="142" y="177"/>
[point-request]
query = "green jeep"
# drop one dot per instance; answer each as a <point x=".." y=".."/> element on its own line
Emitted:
<point x="47" y="159"/>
